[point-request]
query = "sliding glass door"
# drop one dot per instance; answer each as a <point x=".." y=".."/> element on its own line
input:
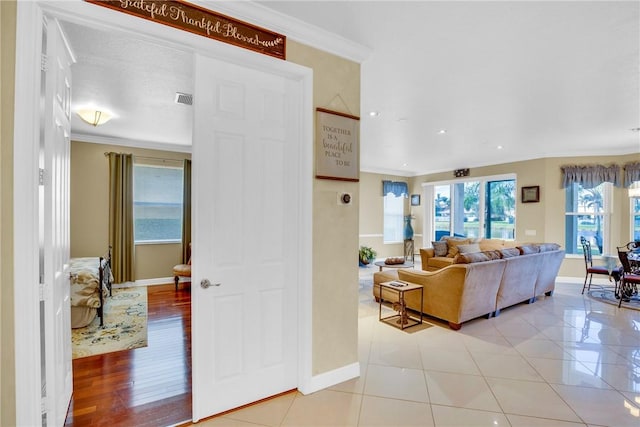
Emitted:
<point x="475" y="208"/>
<point x="501" y="209"/>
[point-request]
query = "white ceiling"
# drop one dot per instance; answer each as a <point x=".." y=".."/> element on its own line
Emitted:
<point x="539" y="79"/>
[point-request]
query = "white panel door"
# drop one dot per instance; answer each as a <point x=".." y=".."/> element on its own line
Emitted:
<point x="246" y="223"/>
<point x="55" y="227"/>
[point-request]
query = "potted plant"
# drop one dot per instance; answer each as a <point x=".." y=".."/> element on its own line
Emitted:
<point x="366" y="255"/>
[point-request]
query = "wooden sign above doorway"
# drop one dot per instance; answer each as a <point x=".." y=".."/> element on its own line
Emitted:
<point x="206" y="23"/>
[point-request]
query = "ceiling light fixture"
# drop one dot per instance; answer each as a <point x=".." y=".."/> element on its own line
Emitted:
<point x="442" y="131"/>
<point x="94" y="117"/>
<point x="374" y="113"/>
<point x="499" y="147"/>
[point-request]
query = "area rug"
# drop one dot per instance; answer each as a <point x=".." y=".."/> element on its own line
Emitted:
<point x="125" y="325"/>
<point x="607" y="296"/>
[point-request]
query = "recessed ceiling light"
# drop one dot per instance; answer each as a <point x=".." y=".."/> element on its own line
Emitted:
<point x="404" y="165"/>
<point x="442" y="131"/>
<point x="499" y="147"/>
<point x="374" y="113"/>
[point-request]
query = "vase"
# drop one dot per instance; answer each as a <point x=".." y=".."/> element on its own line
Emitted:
<point x="408" y="229"/>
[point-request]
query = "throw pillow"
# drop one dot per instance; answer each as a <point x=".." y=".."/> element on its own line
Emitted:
<point x="440" y="248"/>
<point x="453" y="244"/>
<point x="528" y="249"/>
<point x="509" y="252"/>
<point x="492" y="254"/>
<point x="471" y="258"/>
<point x="469" y="248"/>
<point x="546" y="247"/>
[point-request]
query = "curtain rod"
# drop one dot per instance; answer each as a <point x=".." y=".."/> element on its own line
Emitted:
<point x="106" y="154"/>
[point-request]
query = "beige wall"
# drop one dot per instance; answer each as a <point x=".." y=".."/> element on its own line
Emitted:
<point x="7" y="357"/>
<point x="90" y="209"/>
<point x="545" y="217"/>
<point x="336" y="86"/>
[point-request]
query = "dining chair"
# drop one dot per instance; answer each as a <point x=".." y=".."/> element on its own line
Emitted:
<point x="630" y="279"/>
<point x="589" y="267"/>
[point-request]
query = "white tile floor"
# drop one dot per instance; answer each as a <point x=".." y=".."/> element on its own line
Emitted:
<point x="566" y="360"/>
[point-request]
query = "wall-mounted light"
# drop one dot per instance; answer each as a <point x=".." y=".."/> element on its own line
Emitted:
<point x="94" y="117"/>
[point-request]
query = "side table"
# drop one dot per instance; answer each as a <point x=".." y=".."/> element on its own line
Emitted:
<point x="397" y="289"/>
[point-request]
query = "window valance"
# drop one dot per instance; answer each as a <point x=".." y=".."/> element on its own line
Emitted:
<point x="398" y="189"/>
<point x="590" y="176"/>
<point x="631" y="173"/>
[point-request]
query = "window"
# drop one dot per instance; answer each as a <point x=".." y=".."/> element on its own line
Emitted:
<point x="635" y="218"/>
<point x="157" y="203"/>
<point x="394" y="194"/>
<point x="587" y="213"/>
<point x="473" y="208"/>
<point x="393" y="218"/>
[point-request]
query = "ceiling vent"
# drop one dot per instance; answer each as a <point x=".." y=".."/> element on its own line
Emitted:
<point x="184" y="98"/>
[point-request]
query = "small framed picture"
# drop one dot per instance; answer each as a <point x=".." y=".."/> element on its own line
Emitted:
<point x="531" y="194"/>
<point x="415" y="200"/>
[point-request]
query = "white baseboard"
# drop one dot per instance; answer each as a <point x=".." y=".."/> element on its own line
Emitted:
<point x="580" y="280"/>
<point x="149" y="282"/>
<point x="331" y="378"/>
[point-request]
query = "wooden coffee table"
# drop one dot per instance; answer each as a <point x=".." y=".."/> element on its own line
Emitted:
<point x="382" y="265"/>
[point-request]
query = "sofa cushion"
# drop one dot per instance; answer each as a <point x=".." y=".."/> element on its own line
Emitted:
<point x="453" y="243"/>
<point x="509" y="252"/>
<point x="439" y="262"/>
<point x="528" y="249"/>
<point x="468" y="249"/>
<point x="440" y="248"/>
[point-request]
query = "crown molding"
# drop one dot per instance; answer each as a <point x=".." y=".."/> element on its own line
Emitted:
<point x="149" y="145"/>
<point x="292" y="28"/>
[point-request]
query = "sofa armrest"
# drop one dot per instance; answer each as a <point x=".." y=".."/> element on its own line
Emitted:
<point x="443" y="290"/>
<point x="425" y="254"/>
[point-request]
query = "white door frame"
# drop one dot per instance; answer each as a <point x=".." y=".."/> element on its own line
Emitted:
<point x="25" y="203"/>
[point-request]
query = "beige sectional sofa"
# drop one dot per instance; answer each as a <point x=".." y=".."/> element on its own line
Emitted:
<point x="480" y="284"/>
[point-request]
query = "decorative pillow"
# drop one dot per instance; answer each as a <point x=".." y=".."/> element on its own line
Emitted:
<point x="440" y="248"/>
<point x="469" y="248"/>
<point x="470" y="258"/>
<point x="509" y="252"/>
<point x="528" y="249"/>
<point x="453" y="244"/>
<point x="546" y="247"/>
<point x="493" y="254"/>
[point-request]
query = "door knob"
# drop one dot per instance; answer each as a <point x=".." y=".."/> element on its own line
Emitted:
<point x="205" y="283"/>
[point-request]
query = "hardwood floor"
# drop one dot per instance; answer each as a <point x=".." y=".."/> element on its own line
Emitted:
<point x="148" y="386"/>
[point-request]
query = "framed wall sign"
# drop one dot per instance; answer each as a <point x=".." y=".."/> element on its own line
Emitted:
<point x="530" y="194"/>
<point x="415" y="200"/>
<point x="203" y="22"/>
<point x="337" y="146"/>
